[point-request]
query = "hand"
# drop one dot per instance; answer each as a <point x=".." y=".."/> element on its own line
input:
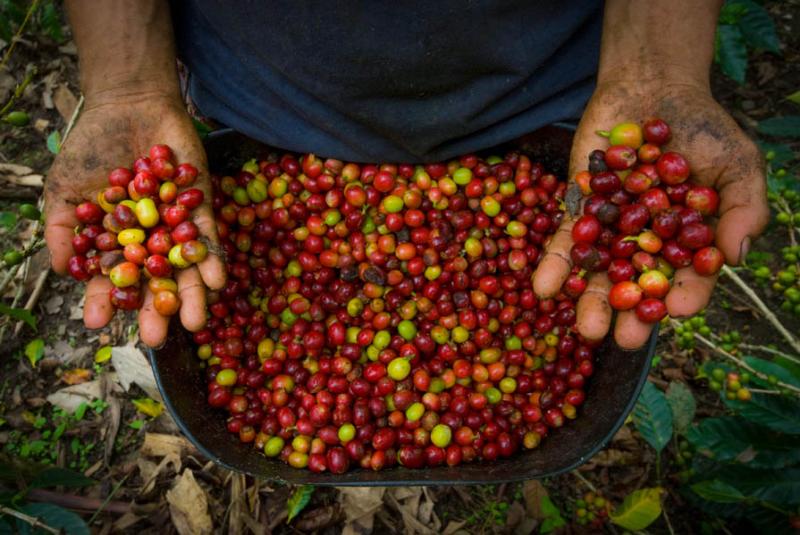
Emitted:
<point x="109" y="135"/>
<point x="720" y="156"/>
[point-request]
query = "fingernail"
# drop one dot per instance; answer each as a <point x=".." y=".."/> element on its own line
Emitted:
<point x="744" y="248"/>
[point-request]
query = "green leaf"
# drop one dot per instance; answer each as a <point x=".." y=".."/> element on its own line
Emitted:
<point x="681" y="402"/>
<point x="652" y="417"/>
<point x="779" y="413"/>
<point x="55" y="477"/>
<point x="788" y="364"/>
<point x="298" y="501"/>
<point x="34" y="351"/>
<point x="732" y="438"/>
<point x="54" y="142"/>
<point x="732" y="12"/>
<point x="8" y="220"/>
<point x="552" y="516"/>
<point x="782" y="154"/>
<point x="51" y="22"/>
<point x="19" y="314"/>
<point x="770" y="368"/>
<point x="780" y="486"/>
<point x="639" y="509"/>
<point x="732" y="52"/>
<point x="55" y="517"/>
<point x="5" y="529"/>
<point x="202" y="129"/>
<point x="717" y="491"/>
<point x="758" y="28"/>
<point x="786" y="126"/>
<point x="81" y="410"/>
<point x="794" y="97"/>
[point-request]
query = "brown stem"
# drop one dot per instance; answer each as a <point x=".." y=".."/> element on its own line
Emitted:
<point x="80" y="503"/>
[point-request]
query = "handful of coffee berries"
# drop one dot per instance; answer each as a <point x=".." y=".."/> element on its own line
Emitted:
<point x="643" y="218"/>
<point x="140" y="225"/>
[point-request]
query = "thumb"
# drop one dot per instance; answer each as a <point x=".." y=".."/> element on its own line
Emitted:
<point x="743" y="214"/>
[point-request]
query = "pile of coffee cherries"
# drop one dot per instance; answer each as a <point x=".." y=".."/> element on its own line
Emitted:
<point x="643" y="219"/>
<point x="139" y="225"/>
<point x="384" y="314"/>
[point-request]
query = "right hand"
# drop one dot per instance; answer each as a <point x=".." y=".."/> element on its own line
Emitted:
<point x="113" y="134"/>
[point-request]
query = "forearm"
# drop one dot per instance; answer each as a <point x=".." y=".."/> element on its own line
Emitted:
<point x="646" y="41"/>
<point x="126" y="48"/>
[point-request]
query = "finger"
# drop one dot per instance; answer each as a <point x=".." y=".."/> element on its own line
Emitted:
<point x="555" y="265"/>
<point x="744" y="213"/>
<point x="212" y="268"/>
<point x="630" y="332"/>
<point x="152" y="325"/>
<point x="593" y="311"/>
<point x="192" y="292"/>
<point x="60" y="223"/>
<point x="690" y="293"/>
<point x="97" y="308"/>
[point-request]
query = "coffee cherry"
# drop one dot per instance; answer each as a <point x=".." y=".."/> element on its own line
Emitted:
<point x="672" y="168"/>
<point x="651" y="310"/>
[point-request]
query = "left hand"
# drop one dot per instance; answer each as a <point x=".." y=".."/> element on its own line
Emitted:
<point x="720" y="156"/>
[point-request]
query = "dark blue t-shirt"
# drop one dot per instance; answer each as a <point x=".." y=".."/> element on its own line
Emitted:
<point x="389" y="81"/>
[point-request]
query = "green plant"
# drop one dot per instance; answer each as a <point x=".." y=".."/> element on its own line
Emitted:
<point x="19" y="515"/>
<point x="743" y="25"/>
<point x="46" y="20"/>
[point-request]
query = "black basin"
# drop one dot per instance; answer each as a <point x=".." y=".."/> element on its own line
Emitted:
<point x="610" y="396"/>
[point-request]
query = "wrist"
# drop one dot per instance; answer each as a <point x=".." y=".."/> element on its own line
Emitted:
<point x="652" y="76"/>
<point x="130" y="90"/>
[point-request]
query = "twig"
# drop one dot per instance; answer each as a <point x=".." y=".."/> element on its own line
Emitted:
<point x="32" y="520"/>
<point x="31" y="10"/>
<point x="72" y="120"/>
<point x="584" y="481"/>
<point x="78" y="503"/>
<point x="37" y="291"/>
<point x="18" y="91"/>
<point x="107" y="500"/>
<point x="767" y="349"/>
<point x="9" y="277"/>
<point x="666" y="518"/>
<point x="741" y="363"/>
<point x="763" y="308"/>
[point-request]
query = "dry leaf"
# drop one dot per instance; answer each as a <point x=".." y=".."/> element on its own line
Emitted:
<point x="149" y="470"/>
<point x="76" y="376"/>
<point x="533" y="492"/>
<point x="41" y="125"/>
<point x="188" y="506"/>
<point x="453" y="527"/>
<point x="360" y="505"/>
<point x="70" y="397"/>
<point x="160" y="445"/>
<point x="53" y="305"/>
<point x="133" y="367"/>
<point x="65" y="352"/>
<point x="65" y="101"/>
<point x="20" y="175"/>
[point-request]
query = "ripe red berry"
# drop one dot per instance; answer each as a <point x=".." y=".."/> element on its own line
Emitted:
<point x="651" y="310"/>
<point x="672" y="168"/>
<point x="624" y="295"/>
<point x="703" y="199"/>
<point x="708" y="261"/>
<point x="656" y="131"/>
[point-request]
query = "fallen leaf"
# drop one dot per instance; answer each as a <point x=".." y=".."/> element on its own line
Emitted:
<point x="532" y="492"/>
<point x="76" y="376"/>
<point x="318" y="519"/>
<point x="188" y="506"/>
<point x="453" y="526"/>
<point x="70" y="397"/>
<point x="360" y="505"/>
<point x="66" y="353"/>
<point x="41" y="125"/>
<point x="65" y="101"/>
<point x="133" y="367"/>
<point x="149" y="471"/>
<point x="160" y="445"/>
<point x="102" y="355"/>
<point x="149" y="407"/>
<point x="34" y="351"/>
<point x="53" y="305"/>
